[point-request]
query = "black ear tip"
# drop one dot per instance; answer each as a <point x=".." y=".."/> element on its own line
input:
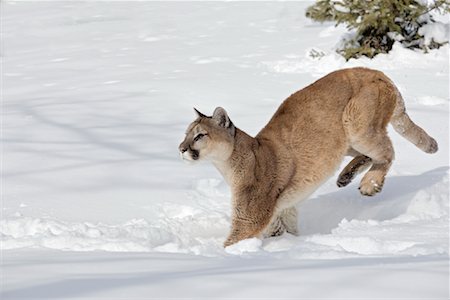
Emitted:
<point x="199" y="113"/>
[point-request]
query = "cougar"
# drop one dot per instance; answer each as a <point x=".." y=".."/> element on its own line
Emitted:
<point x="344" y="113"/>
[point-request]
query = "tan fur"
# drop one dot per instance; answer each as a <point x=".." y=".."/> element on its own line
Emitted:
<point x="343" y="113"/>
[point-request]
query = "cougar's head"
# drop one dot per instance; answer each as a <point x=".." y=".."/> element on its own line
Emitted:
<point x="209" y="138"/>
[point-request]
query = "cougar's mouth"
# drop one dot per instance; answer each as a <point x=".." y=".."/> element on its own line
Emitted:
<point x="195" y="154"/>
<point x="190" y="155"/>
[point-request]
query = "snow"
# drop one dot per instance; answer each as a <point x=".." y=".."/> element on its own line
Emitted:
<point x="340" y="6"/>
<point x="69" y="275"/>
<point x="248" y="245"/>
<point x="331" y="61"/>
<point x="96" y="202"/>
<point x="439" y="32"/>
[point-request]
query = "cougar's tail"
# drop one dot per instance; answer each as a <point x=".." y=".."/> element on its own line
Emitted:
<point x="406" y="127"/>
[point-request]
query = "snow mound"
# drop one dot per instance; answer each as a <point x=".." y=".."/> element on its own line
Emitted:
<point x="320" y="65"/>
<point x="437" y="32"/>
<point x="179" y="234"/>
<point x="419" y="227"/>
<point x="198" y="228"/>
<point x="376" y="238"/>
<point x="245" y="246"/>
<point x="134" y="235"/>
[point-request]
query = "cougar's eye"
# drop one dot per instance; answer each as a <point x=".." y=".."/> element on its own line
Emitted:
<point x="199" y="136"/>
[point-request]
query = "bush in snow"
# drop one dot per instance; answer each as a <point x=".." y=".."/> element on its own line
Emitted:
<point x="379" y="23"/>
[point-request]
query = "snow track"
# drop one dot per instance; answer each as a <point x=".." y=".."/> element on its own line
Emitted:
<point x="419" y="228"/>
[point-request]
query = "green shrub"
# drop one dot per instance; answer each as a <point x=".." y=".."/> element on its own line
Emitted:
<point x="379" y="23"/>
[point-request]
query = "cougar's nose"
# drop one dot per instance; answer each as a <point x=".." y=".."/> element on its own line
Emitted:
<point x="182" y="148"/>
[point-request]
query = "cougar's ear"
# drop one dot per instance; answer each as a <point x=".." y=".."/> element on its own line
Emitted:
<point x="199" y="114"/>
<point x="221" y="117"/>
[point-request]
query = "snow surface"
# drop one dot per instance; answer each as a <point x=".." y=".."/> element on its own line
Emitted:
<point x="96" y="97"/>
<point x="438" y="32"/>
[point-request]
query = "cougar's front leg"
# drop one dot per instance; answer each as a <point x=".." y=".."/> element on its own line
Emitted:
<point x="290" y="220"/>
<point x="248" y="222"/>
<point x="285" y="221"/>
<point x="240" y="230"/>
<point x="276" y="228"/>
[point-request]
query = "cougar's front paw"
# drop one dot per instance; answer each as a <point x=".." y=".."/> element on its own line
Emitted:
<point x="228" y="243"/>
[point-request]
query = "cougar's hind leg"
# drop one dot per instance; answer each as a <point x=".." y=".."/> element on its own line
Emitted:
<point x="382" y="155"/>
<point x="365" y="120"/>
<point x="356" y="166"/>
<point x="378" y="147"/>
